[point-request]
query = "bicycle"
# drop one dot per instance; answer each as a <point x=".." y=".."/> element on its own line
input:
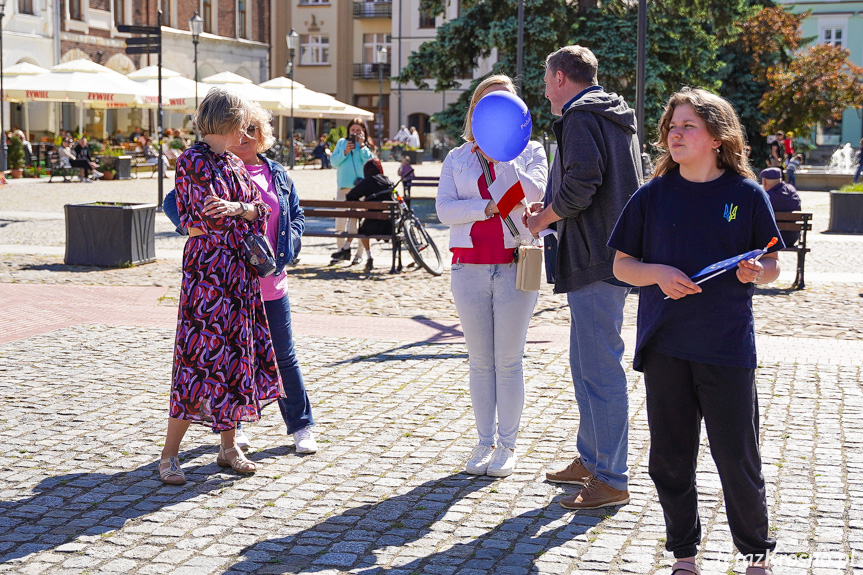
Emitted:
<point x="420" y="245"/>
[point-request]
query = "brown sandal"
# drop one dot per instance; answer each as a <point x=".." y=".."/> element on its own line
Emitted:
<point x="685" y="567"/>
<point x="171" y="472"/>
<point x="235" y="459"/>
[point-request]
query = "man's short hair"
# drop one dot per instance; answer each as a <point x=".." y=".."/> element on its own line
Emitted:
<point x="576" y="62"/>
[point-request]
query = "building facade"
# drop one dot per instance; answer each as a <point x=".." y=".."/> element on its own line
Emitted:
<point x="29" y="36"/>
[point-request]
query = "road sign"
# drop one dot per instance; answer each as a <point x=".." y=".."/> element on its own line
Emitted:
<point x="142" y="40"/>
<point x="127" y="29"/>
<point x="150" y="49"/>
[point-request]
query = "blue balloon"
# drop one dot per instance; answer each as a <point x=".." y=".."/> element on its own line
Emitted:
<point x="501" y="125"/>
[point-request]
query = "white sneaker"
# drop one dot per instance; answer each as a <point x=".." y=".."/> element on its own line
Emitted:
<point x="242" y="439"/>
<point x="304" y="440"/>
<point x="97" y="174"/>
<point x="479" y="459"/>
<point x="502" y="463"/>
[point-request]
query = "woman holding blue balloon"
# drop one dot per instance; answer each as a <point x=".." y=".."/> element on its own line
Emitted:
<point x="493" y="313"/>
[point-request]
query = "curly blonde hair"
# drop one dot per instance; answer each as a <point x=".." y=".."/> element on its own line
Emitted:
<point x="263" y="119"/>
<point x="496" y="80"/>
<point x="722" y="123"/>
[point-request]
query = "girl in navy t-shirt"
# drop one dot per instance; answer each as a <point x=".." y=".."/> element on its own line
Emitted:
<point x="697" y="346"/>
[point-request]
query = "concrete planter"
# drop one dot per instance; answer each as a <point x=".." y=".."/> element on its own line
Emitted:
<point x="846" y="212"/>
<point x="416" y="156"/>
<point x="110" y="234"/>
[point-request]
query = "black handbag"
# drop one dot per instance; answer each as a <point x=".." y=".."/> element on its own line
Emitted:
<point x="258" y="253"/>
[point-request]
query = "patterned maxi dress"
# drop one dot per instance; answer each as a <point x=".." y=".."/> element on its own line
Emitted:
<point x="224" y="364"/>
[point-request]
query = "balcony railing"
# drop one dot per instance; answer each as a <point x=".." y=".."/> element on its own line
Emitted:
<point x="373" y="9"/>
<point x="371" y="71"/>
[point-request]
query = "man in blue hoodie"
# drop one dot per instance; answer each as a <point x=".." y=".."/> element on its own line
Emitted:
<point x="596" y="169"/>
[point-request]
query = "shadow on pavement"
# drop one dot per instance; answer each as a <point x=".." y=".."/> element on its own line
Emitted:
<point x="65" y="507"/>
<point x="348" y="541"/>
<point x="445" y="334"/>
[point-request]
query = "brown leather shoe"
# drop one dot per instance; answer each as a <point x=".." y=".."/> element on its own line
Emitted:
<point x="575" y="474"/>
<point x="595" y="494"/>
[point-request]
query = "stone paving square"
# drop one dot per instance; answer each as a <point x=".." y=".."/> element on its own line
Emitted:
<point x="85" y="362"/>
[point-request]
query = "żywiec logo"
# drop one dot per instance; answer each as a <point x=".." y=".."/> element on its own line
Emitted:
<point x="730" y="212"/>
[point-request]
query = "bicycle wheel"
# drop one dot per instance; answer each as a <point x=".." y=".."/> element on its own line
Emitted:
<point x="421" y="247"/>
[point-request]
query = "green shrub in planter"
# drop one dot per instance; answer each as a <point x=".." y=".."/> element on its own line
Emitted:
<point x="15" y="157"/>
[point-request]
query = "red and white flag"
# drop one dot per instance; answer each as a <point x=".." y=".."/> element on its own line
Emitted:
<point x="508" y="194"/>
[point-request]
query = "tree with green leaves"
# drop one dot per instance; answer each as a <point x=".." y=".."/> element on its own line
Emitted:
<point x="684" y="44"/>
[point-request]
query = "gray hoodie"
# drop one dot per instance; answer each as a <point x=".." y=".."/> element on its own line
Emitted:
<point x="595" y="171"/>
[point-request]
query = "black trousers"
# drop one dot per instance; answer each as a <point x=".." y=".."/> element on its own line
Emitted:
<point x="83" y="164"/>
<point x="679" y="394"/>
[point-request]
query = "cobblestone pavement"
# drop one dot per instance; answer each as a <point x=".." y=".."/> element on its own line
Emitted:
<point x="84" y="413"/>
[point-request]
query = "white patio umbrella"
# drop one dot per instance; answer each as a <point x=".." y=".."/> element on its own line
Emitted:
<point x="310" y="104"/>
<point x="84" y="82"/>
<point x="17" y="76"/>
<point x="244" y="87"/>
<point x="178" y="92"/>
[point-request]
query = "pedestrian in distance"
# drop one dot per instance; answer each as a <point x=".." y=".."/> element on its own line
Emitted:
<point x="413" y="140"/>
<point x="374" y="187"/>
<point x="783" y="198"/>
<point x="224" y="363"/>
<point x="84" y="161"/>
<point x="349" y="157"/>
<point x="285" y="226"/>
<point x="696" y="343"/>
<point x="322" y="152"/>
<point x="791" y="168"/>
<point x="595" y="171"/>
<point x="859" y="162"/>
<point x="494" y="314"/>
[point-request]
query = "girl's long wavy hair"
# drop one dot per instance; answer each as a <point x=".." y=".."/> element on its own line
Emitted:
<point x="722" y="123"/>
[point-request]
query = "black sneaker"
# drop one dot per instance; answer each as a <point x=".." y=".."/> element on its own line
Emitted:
<point x="343" y="254"/>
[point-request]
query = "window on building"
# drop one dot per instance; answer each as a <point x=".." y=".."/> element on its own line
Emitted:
<point x="833" y="36"/>
<point x="314" y="2"/>
<point x="374" y="42"/>
<point x="242" y="14"/>
<point x="119" y="12"/>
<point x="207" y="15"/>
<point x="168" y="13"/>
<point x="75" y="12"/>
<point x="426" y="19"/>
<point x="314" y="49"/>
<point x="25" y="6"/>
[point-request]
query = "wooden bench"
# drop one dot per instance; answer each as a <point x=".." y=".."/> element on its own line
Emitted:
<point x="355" y="211"/>
<point x="796" y="222"/>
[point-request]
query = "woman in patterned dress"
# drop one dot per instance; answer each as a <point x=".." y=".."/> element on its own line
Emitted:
<point x="224" y="363"/>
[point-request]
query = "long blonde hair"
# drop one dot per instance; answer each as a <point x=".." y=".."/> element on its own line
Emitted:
<point x="722" y="123"/>
<point x="497" y="79"/>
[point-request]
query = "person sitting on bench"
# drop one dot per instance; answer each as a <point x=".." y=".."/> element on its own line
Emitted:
<point x="783" y="198"/>
<point x="374" y="187"/>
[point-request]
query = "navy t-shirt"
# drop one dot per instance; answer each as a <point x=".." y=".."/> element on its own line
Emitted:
<point x="689" y="226"/>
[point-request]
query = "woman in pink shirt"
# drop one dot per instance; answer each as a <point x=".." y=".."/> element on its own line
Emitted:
<point x="493" y="313"/>
<point x="284" y="230"/>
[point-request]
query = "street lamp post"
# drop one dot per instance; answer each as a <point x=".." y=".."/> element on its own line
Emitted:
<point x="3" y="165"/>
<point x="196" y="26"/>
<point x="293" y="41"/>
<point x="382" y="60"/>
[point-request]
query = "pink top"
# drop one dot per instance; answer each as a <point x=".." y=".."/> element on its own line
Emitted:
<point x="488" y="247"/>
<point x="272" y="287"/>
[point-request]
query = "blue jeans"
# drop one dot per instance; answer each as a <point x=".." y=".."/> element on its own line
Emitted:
<point x="857" y="175"/>
<point x="494" y="317"/>
<point x="595" y="355"/>
<point x="295" y="407"/>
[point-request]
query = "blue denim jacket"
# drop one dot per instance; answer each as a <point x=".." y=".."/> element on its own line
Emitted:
<point x="292" y="222"/>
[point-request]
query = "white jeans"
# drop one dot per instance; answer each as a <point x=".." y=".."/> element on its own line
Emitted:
<point x="346" y="225"/>
<point x="494" y="317"/>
